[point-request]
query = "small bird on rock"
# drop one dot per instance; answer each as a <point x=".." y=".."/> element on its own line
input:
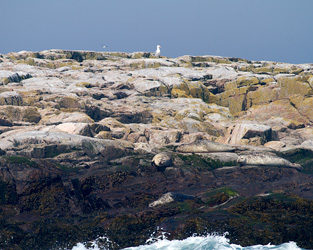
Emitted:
<point x="158" y="51"/>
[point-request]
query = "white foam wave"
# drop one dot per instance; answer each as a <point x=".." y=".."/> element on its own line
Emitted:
<point x="209" y="242"/>
<point x="101" y="243"/>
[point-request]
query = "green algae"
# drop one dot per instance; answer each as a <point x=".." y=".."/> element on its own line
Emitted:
<point x="31" y="114"/>
<point x="137" y="65"/>
<point x="84" y="85"/>
<point x="68" y="169"/>
<point x="263" y="70"/>
<point x="5" y="80"/>
<point x="21" y="160"/>
<point x="69" y="103"/>
<point x="219" y="60"/>
<point x="202" y="163"/>
<point x="219" y="196"/>
<point x="301" y="156"/>
<point x="247" y="81"/>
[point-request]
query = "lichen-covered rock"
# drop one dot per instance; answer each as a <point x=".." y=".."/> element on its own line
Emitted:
<point x="104" y="135"/>
<point x="234" y="99"/>
<point x="280" y="108"/>
<point x="191" y="90"/>
<point x="294" y="86"/>
<point x="263" y="95"/>
<point x="11" y="98"/>
<point x="7" y="77"/>
<point x="304" y="106"/>
<point x="69" y="103"/>
<point x="20" y="114"/>
<point x="151" y="87"/>
<point x="247" y="81"/>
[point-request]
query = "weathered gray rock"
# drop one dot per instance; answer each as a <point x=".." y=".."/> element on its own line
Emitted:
<point x="189" y="138"/>
<point x="20" y="114"/>
<point x="244" y="133"/>
<point x="160" y="72"/>
<point x="42" y="144"/>
<point x="75" y="128"/>
<point x="275" y="145"/>
<point x="49" y="84"/>
<point x="66" y="117"/>
<point x="160" y="138"/>
<point x="9" y="76"/>
<point x="307" y="144"/>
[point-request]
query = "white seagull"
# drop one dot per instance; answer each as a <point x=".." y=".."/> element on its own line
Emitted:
<point x="158" y="51"/>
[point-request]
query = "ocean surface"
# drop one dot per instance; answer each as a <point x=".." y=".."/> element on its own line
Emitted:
<point x="210" y="242"/>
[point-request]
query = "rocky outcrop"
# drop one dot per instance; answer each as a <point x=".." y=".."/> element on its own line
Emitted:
<point x="10" y="98"/>
<point x="250" y="134"/>
<point x="120" y="144"/>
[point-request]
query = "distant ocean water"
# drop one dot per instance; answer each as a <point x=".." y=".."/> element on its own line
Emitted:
<point x="210" y="242"/>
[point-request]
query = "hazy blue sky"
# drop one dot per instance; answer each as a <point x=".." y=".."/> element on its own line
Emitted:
<point x="275" y="30"/>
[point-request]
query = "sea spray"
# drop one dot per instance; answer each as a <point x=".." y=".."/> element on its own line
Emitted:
<point x="209" y="242"/>
<point x="101" y="243"/>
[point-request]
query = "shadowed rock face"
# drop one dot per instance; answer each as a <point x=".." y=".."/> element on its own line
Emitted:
<point x="120" y="144"/>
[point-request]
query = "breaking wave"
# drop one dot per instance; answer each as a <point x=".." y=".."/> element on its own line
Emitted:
<point x="209" y="242"/>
